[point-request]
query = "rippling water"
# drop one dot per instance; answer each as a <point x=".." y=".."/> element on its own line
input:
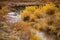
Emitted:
<point x="14" y="17"/>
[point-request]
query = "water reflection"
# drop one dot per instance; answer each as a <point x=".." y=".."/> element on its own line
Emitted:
<point x="42" y="35"/>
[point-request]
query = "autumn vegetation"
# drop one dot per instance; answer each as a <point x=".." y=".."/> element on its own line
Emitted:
<point x="45" y="18"/>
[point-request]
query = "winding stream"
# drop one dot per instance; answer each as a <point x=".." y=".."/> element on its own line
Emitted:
<point x="14" y="17"/>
